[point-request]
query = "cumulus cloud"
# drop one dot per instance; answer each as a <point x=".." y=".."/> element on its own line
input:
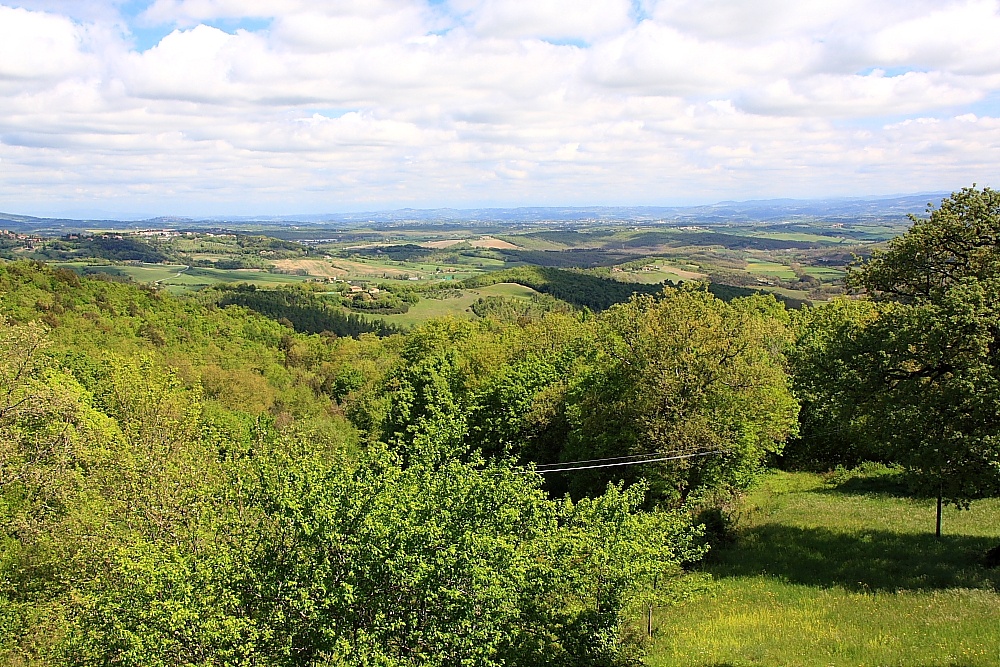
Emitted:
<point x="36" y="45"/>
<point x="326" y="105"/>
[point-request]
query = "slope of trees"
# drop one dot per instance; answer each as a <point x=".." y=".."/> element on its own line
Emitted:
<point x="103" y="246"/>
<point x="140" y="528"/>
<point x="579" y="289"/>
<point x="306" y="311"/>
<point x="179" y="485"/>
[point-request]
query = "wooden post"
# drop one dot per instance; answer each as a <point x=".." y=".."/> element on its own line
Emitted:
<point x="937" y="532"/>
<point x="649" y="613"/>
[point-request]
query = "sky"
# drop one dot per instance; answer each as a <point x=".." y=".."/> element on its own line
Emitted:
<point x="270" y="107"/>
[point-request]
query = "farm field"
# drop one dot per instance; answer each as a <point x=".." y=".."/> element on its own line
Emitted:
<point x="664" y="272"/>
<point x="458" y="306"/>
<point x="759" y="267"/>
<point x="143" y="273"/>
<point x="179" y="278"/>
<point x="843" y="575"/>
<point x="799" y="236"/>
<point x="381" y="269"/>
<point x="475" y="242"/>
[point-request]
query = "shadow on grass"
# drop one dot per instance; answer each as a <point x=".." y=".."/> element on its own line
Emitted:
<point x="879" y="480"/>
<point x="898" y="486"/>
<point x="864" y="561"/>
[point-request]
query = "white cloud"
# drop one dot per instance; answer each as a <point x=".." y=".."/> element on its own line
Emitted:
<point x="961" y="38"/>
<point x="372" y="103"/>
<point x="551" y="19"/>
<point x="36" y="45"/>
<point x="857" y="96"/>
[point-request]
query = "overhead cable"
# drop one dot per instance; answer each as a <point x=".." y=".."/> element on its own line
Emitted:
<point x="613" y="458"/>
<point x="624" y="463"/>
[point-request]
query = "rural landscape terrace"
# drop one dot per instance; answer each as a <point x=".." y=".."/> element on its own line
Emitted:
<point x="499" y="333"/>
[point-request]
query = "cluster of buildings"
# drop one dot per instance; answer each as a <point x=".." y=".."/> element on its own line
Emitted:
<point x="29" y="240"/>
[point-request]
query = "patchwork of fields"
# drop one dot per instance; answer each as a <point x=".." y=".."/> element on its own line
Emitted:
<point x="804" y="261"/>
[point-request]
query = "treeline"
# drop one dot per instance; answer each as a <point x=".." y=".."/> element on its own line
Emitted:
<point x="509" y="309"/>
<point x="398" y="253"/>
<point x="909" y="375"/>
<point x="579" y="289"/>
<point x="730" y="292"/>
<point x="731" y="241"/>
<point x="304" y="310"/>
<point x="102" y="246"/>
<point x="570" y="258"/>
<point x="588" y="291"/>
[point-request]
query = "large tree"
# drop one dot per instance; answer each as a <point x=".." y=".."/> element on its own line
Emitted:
<point x="920" y="370"/>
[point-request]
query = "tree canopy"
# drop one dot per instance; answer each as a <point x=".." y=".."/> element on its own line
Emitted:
<point x="914" y="376"/>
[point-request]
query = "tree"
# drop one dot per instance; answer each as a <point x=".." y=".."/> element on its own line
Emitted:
<point x="685" y="373"/>
<point x="921" y="370"/>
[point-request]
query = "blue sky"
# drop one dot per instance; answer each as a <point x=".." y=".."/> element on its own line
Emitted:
<point x="243" y="107"/>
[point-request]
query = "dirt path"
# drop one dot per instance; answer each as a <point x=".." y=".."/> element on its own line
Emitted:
<point x="176" y="275"/>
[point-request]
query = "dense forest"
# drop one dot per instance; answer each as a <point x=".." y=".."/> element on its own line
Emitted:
<point x="253" y="477"/>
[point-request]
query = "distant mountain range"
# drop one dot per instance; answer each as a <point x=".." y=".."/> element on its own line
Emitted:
<point x="888" y="208"/>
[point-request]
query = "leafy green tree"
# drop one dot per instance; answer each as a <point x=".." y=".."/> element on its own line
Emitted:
<point x="825" y="377"/>
<point x="913" y="377"/>
<point x="685" y="373"/>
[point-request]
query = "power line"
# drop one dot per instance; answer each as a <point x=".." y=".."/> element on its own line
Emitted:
<point x="625" y="463"/>
<point x="613" y="458"/>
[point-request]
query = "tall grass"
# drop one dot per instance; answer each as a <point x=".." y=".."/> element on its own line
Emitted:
<point x="843" y="571"/>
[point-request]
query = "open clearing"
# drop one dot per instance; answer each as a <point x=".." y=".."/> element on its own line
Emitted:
<point x="481" y="242"/>
<point x="457" y="306"/>
<point x="848" y="576"/>
<point x="178" y="278"/>
<point x="319" y="268"/>
<point x="654" y="276"/>
<point x="491" y="242"/>
<point x="340" y="268"/>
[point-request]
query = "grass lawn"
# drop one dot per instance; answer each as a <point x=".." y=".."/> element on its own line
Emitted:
<point x="843" y="575"/>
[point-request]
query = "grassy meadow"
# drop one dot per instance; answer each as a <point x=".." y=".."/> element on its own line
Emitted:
<point x="457" y="306"/>
<point x="842" y="572"/>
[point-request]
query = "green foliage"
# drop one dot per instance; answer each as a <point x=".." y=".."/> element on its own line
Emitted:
<point x="681" y="374"/>
<point x="919" y="371"/>
<point x="160" y="506"/>
<point x="579" y="289"/>
<point x="398" y="253"/>
<point x="114" y="247"/>
<point x="381" y="300"/>
<point x="307" y="312"/>
<point x="824" y="376"/>
<point x="511" y="309"/>
<point x="730" y="292"/>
